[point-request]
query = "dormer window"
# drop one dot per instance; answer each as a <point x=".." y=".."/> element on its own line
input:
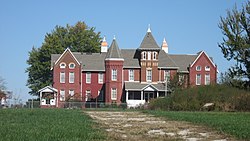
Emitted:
<point x="198" y="68"/>
<point x="62" y="65"/>
<point x="143" y="55"/>
<point x="154" y="55"/>
<point x="71" y="65"/>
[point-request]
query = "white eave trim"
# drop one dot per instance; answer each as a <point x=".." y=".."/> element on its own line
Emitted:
<point x="64" y="53"/>
<point x="199" y="57"/>
<point x="115" y="59"/>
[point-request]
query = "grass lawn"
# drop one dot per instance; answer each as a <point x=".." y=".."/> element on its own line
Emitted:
<point x="236" y="124"/>
<point x="47" y="125"/>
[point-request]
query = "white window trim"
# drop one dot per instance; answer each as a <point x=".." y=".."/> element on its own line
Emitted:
<point x="88" y="96"/>
<point x="147" y="75"/>
<point x="196" y="79"/>
<point x="114" y="75"/>
<point x="113" y="90"/>
<point x="88" y="77"/>
<point x="154" y="55"/>
<point x="100" y="81"/>
<point x="73" y="77"/>
<point x="131" y="73"/>
<point x="61" y="76"/>
<point x="207" y="68"/>
<point x="62" y="95"/>
<point x="144" y="55"/>
<point x="166" y="74"/>
<point x="62" y="67"/>
<point x="206" y="79"/>
<point x="71" y="92"/>
<point x="198" y="69"/>
<point x="71" y="64"/>
<point x="149" y="55"/>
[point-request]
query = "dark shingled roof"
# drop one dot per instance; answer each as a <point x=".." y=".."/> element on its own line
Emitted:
<point x="114" y="51"/>
<point x="131" y="58"/>
<point x="149" y="43"/>
<point x="183" y="61"/>
<point x="165" y="61"/>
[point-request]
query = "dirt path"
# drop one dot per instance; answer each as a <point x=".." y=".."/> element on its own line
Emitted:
<point x="137" y="126"/>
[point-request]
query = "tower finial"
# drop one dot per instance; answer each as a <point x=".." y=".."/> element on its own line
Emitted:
<point x="114" y="37"/>
<point x="149" y="30"/>
<point x="104" y="39"/>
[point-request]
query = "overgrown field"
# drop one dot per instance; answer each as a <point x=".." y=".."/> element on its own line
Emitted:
<point x="236" y="124"/>
<point x="47" y="125"/>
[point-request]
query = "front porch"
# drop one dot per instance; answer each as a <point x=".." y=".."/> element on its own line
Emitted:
<point x="138" y="94"/>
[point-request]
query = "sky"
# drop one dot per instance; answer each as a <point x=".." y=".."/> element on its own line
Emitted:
<point x="189" y="26"/>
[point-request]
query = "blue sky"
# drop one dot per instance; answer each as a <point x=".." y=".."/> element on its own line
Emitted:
<point x="189" y="26"/>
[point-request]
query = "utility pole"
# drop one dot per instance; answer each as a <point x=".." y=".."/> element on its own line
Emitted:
<point x="166" y="86"/>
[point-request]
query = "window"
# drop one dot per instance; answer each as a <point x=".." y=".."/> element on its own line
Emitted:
<point x="62" y="65"/>
<point x="114" y="75"/>
<point x="88" y="77"/>
<point x="181" y="78"/>
<point x="198" y="79"/>
<point x="149" y="55"/>
<point x="154" y="55"/>
<point x="149" y="75"/>
<point x="62" y="77"/>
<point x="207" y="79"/>
<point x="207" y="68"/>
<point x="71" y="77"/>
<point x="71" y="65"/>
<point x="100" y="77"/>
<point x="167" y="75"/>
<point x="131" y="75"/>
<point x="198" y="68"/>
<point x="71" y="92"/>
<point x="62" y="95"/>
<point x="143" y="55"/>
<point x="88" y="95"/>
<point x="113" y="94"/>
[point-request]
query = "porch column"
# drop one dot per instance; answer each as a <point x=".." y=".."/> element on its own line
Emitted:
<point x="126" y="95"/>
<point x="157" y="94"/>
<point x="142" y="95"/>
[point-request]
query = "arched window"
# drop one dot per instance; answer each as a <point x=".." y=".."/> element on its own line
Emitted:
<point x="154" y="55"/>
<point x="144" y="55"/>
<point x="62" y="65"/>
<point x="71" y="65"/>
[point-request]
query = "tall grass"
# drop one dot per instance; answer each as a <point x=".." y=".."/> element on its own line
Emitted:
<point x="234" y="123"/>
<point x="47" y="125"/>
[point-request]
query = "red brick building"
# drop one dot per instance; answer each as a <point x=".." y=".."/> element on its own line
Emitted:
<point x="132" y="76"/>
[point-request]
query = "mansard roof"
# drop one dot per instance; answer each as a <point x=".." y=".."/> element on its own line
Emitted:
<point x="114" y="51"/>
<point x="149" y="43"/>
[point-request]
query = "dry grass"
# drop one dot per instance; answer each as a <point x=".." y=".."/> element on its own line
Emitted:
<point x="136" y="126"/>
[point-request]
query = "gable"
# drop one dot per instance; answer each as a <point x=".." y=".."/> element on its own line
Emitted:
<point x="67" y="57"/>
<point x="203" y="56"/>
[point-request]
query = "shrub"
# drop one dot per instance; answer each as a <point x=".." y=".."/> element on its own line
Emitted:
<point x="224" y="97"/>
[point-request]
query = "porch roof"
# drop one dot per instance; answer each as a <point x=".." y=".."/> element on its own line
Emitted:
<point x="48" y="89"/>
<point x="136" y="86"/>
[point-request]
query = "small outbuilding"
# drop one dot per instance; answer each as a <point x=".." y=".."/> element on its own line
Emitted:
<point x="48" y="97"/>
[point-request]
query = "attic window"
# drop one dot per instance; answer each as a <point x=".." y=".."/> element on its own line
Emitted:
<point x="62" y="65"/>
<point x="207" y="68"/>
<point x="71" y="65"/>
<point x="198" y="68"/>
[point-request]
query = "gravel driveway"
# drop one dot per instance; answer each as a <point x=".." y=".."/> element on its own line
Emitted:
<point x="137" y="126"/>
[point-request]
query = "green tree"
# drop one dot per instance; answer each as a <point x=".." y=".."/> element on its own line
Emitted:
<point x="79" y="38"/>
<point x="236" y="42"/>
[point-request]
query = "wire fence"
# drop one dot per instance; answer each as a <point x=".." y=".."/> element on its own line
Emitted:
<point x="74" y="105"/>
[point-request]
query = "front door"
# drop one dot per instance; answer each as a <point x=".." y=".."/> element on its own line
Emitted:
<point x="148" y="96"/>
